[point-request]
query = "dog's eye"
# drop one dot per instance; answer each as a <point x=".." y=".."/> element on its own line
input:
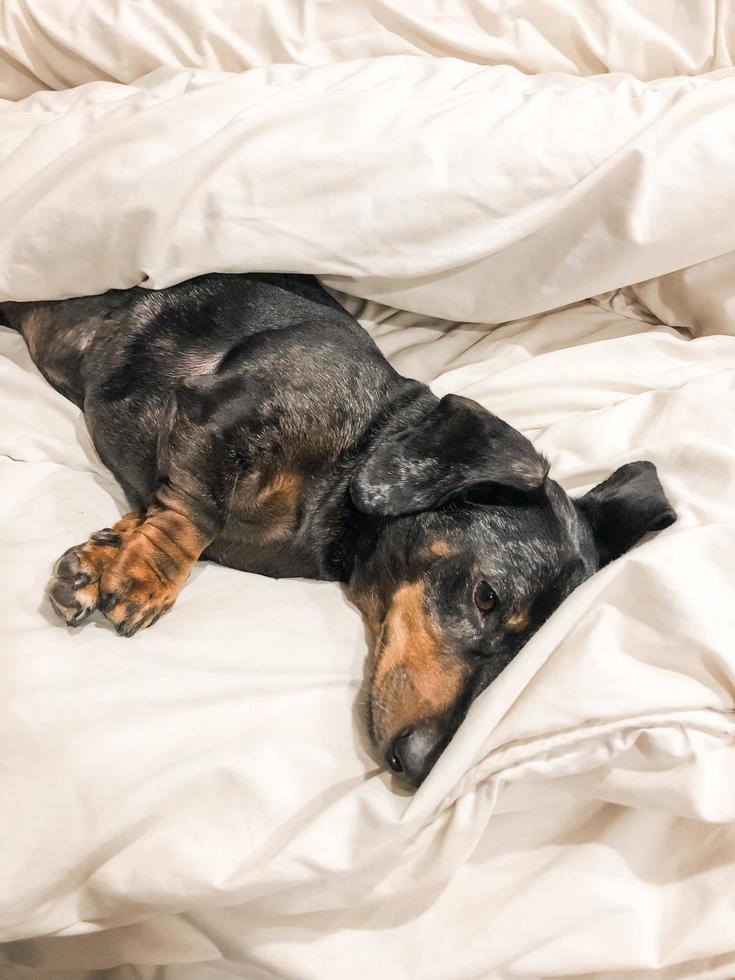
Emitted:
<point x="484" y="597"/>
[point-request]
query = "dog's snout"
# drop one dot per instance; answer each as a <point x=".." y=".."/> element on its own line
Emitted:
<point x="413" y="752"/>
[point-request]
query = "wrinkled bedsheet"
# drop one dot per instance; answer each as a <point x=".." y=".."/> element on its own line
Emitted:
<point x="199" y="800"/>
<point x="433" y="184"/>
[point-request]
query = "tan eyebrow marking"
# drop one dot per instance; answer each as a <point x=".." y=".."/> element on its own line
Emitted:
<point x="440" y="548"/>
<point x="518" y="620"/>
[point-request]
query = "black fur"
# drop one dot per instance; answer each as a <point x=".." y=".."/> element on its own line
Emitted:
<point x="629" y="504"/>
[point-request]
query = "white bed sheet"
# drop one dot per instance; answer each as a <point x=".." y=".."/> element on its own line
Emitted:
<point x="429" y="184"/>
<point x="58" y="44"/>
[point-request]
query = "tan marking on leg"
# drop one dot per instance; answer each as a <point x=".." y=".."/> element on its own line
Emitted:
<point x="150" y="570"/>
<point x="276" y="505"/>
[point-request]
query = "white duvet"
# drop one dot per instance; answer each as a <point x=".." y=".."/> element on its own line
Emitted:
<point x="199" y="801"/>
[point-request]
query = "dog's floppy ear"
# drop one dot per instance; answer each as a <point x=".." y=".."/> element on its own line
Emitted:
<point x="629" y="504"/>
<point x="454" y="447"/>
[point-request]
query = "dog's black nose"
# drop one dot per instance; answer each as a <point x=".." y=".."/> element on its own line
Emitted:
<point x="412" y="753"/>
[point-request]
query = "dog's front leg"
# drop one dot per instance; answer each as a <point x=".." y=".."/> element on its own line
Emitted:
<point x="133" y="571"/>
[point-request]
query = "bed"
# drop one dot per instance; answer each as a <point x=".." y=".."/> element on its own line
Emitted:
<point x="525" y="203"/>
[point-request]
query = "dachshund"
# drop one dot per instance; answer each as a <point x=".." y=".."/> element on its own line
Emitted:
<point x="252" y="421"/>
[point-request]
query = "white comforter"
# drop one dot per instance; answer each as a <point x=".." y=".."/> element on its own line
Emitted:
<point x="201" y="794"/>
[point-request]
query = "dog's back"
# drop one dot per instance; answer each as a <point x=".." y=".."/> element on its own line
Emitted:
<point x="123" y="354"/>
<point x="159" y="337"/>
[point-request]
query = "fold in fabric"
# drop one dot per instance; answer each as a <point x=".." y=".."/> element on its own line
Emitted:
<point x="527" y="193"/>
<point x="60" y="43"/>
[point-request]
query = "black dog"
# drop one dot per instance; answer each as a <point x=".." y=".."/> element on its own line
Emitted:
<point x="252" y="421"/>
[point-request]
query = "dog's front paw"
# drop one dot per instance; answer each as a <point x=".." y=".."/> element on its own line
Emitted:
<point x="74" y="590"/>
<point x="135" y="592"/>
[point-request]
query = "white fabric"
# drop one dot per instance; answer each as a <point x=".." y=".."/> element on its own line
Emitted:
<point x="201" y="794"/>
<point x="432" y="185"/>
<point x="57" y="44"/>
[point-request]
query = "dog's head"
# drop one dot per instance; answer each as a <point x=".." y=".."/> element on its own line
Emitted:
<point x="474" y="548"/>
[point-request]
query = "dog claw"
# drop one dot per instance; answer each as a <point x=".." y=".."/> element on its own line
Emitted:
<point x="79" y="617"/>
<point x="126" y="628"/>
<point x="65" y="589"/>
<point x="107" y="602"/>
<point x="108" y="537"/>
<point x="68" y="565"/>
